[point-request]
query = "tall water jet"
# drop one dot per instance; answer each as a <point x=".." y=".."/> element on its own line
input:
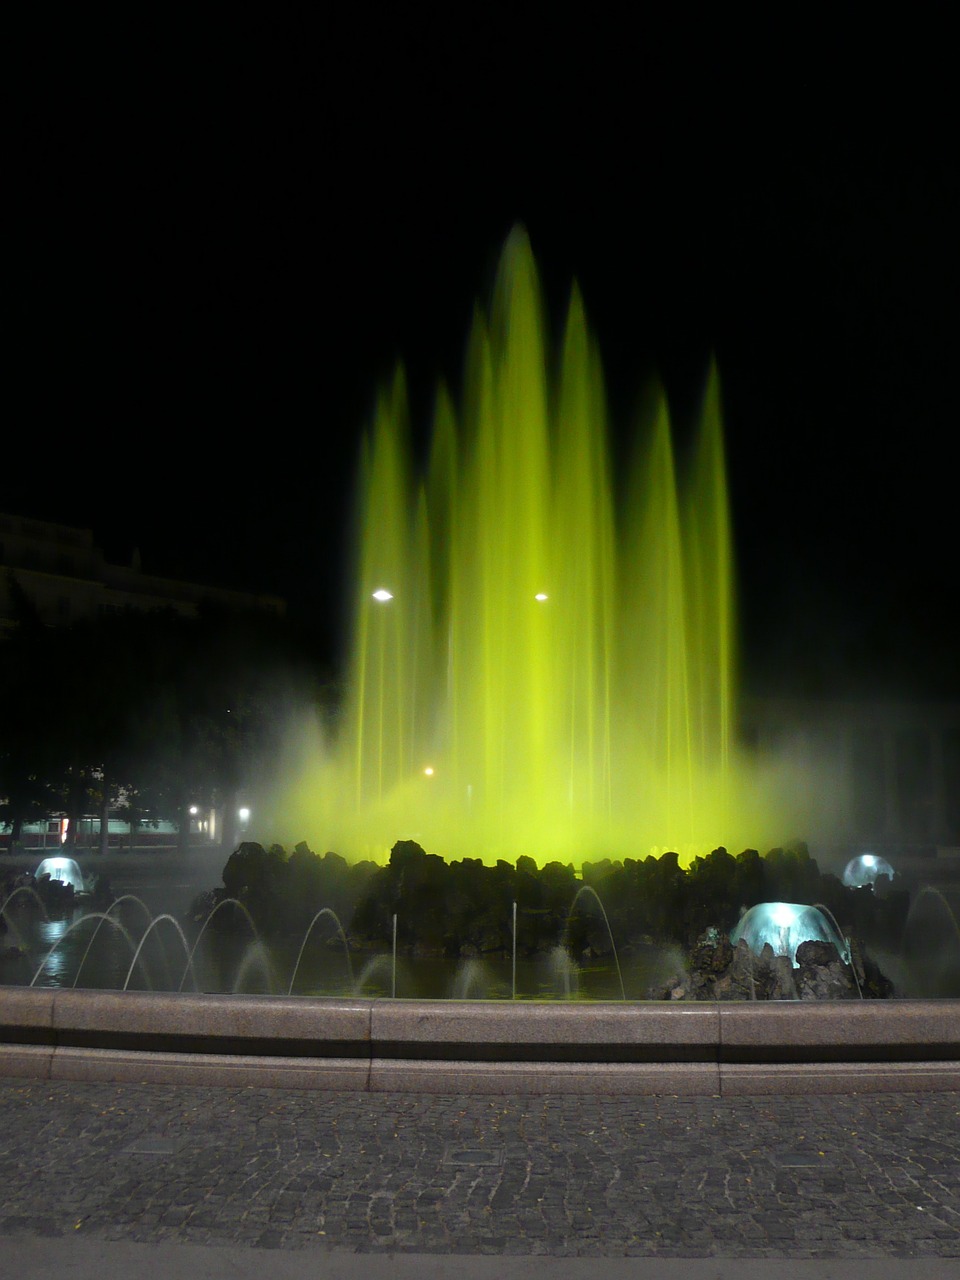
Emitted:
<point x="543" y="661"/>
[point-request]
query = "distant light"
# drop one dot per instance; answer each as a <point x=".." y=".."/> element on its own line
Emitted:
<point x="243" y="814"/>
<point x="865" y="871"/>
<point x="429" y="771"/>
<point x="382" y="595"/>
<point x="193" y="809"/>
<point x="541" y="595"/>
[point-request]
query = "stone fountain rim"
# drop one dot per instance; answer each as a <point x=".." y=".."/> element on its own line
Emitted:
<point x="500" y="1047"/>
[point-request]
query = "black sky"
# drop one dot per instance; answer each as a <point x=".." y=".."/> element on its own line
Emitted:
<point x="221" y="234"/>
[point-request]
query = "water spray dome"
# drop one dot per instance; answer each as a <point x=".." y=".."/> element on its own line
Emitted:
<point x="866" y="870"/>
<point x="785" y="925"/>
<point x="64" y="869"/>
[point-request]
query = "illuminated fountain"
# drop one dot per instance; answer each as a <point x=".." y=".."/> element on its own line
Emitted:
<point x="543" y="666"/>
<point x="66" y="870"/>
<point x="865" y="870"/>
<point x="543" y="661"/>
<point x="784" y="926"/>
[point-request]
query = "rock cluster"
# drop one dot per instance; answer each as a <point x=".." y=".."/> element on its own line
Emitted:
<point x="718" y="970"/>
<point x="464" y="909"/>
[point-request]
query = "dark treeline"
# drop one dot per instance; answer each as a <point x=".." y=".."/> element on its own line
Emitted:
<point x="141" y="715"/>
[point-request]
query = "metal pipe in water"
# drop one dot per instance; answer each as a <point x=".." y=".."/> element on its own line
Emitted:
<point x="514" y="980"/>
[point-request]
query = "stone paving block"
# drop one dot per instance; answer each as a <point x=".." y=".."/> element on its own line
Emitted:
<point x="636" y="1030"/>
<point x="875" y="1045"/>
<point x="824" y="1030"/>
<point x="209" y="1018"/>
<point x="598" y="1175"/>
<point x="208" y="1069"/>
<point x="504" y="1078"/>
<point x="744" y="1079"/>
<point x="29" y="1061"/>
<point x="26" y="1014"/>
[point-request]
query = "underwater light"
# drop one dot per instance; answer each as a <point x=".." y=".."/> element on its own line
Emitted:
<point x="863" y="872"/>
<point x="66" y="870"/>
<point x="785" y="926"/>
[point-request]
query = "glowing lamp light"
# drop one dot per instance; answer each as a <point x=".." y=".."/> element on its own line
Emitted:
<point x="193" y="810"/>
<point x="429" y="771"/>
<point x="541" y="595"/>
<point x="64" y="869"/>
<point x="243" y="814"/>
<point x="785" y="925"/>
<point x="383" y="595"/>
<point x="863" y="872"/>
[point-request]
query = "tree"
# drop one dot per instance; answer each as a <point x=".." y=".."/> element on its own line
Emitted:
<point x="145" y="712"/>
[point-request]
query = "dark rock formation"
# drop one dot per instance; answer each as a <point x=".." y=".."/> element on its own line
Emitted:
<point x="716" y="970"/>
<point x="465" y="909"/>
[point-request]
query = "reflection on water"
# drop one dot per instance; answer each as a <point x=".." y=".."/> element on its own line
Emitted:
<point x="60" y="963"/>
<point x="144" y="956"/>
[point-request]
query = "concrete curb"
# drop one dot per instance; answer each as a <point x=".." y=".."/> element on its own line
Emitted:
<point x="497" y="1047"/>
<point x="33" y="1258"/>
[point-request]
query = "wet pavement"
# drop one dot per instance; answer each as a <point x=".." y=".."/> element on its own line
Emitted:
<point x="220" y="1181"/>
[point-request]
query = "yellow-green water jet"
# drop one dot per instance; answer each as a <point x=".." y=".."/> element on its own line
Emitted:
<point x="554" y="673"/>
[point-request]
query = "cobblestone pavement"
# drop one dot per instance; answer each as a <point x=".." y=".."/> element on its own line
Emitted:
<point x="831" y="1177"/>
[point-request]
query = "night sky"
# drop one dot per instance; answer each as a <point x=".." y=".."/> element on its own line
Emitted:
<point x="220" y="236"/>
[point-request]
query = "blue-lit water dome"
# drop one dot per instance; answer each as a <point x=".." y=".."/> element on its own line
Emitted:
<point x="785" y="925"/>
<point x="63" y="869"/>
<point x="866" y="870"/>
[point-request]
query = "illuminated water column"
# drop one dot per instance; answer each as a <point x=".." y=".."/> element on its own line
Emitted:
<point x="391" y="612"/>
<point x="583" y="578"/>
<point x="561" y="663"/>
<point x="504" y="678"/>
<point x="653" y="679"/>
<point x="711" y="609"/>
